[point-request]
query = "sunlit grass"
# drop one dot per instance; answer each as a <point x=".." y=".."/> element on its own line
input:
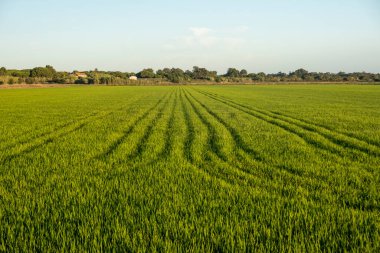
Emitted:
<point x="203" y="168"/>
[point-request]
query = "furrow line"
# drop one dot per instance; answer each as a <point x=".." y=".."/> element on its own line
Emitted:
<point x="246" y="155"/>
<point x="238" y="140"/>
<point x="308" y="136"/>
<point x="244" y="152"/>
<point x="142" y="142"/>
<point x="211" y="130"/>
<point x="31" y="146"/>
<point x="168" y="134"/>
<point x="240" y="174"/>
<point x="354" y="137"/>
<point x="112" y="148"/>
<point x="238" y="170"/>
<point x="189" y="142"/>
<point x="43" y="134"/>
<point x="251" y="172"/>
<point x="57" y="128"/>
<point x="335" y="138"/>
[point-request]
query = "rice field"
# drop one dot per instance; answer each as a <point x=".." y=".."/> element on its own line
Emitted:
<point x="287" y="168"/>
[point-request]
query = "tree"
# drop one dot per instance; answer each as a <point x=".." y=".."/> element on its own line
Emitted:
<point x="160" y="74"/>
<point x="104" y="80"/>
<point x="61" y="77"/>
<point x="176" y="75"/>
<point x="117" y="74"/>
<point x="146" y="73"/>
<point x="212" y="75"/>
<point x="3" y="71"/>
<point x="47" y="72"/>
<point x="19" y="73"/>
<point x="259" y="76"/>
<point x="201" y="73"/>
<point x="232" y="72"/>
<point x="243" y="73"/>
<point x="189" y="74"/>
<point x="301" y="73"/>
<point x="280" y="74"/>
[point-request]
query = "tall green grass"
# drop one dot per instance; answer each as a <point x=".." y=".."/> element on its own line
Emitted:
<point x="205" y="168"/>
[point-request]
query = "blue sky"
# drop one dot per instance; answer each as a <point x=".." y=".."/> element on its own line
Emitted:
<point x="269" y="36"/>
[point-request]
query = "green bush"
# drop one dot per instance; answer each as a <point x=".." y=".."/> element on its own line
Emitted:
<point x="81" y="81"/>
<point x="29" y="80"/>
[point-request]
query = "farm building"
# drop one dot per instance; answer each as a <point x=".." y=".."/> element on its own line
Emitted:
<point x="80" y="74"/>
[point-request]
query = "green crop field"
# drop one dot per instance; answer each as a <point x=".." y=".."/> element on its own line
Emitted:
<point x="287" y="168"/>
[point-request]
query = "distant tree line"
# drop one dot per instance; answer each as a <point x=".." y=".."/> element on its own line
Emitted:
<point x="148" y="76"/>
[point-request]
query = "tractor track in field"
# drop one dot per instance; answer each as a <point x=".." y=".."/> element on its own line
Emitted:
<point x="249" y="177"/>
<point x="329" y="129"/>
<point x="212" y="136"/>
<point x="168" y="146"/>
<point x="238" y="140"/>
<point x="237" y="143"/>
<point x="283" y="125"/>
<point x="249" y="172"/>
<point x="229" y="168"/>
<point x="258" y="160"/>
<point x="235" y="174"/>
<point x="335" y="144"/>
<point x="119" y="141"/>
<point x="188" y="144"/>
<point x="43" y="134"/>
<point x="309" y="126"/>
<point x="50" y="137"/>
<point x="253" y="158"/>
<point x="88" y="118"/>
<point x="168" y="138"/>
<point x="142" y="142"/>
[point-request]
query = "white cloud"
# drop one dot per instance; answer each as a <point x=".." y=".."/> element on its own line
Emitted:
<point x="242" y="29"/>
<point x="200" y="31"/>
<point x="203" y="37"/>
<point x="200" y="36"/>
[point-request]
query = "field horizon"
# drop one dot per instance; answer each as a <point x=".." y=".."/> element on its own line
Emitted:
<point x="59" y="85"/>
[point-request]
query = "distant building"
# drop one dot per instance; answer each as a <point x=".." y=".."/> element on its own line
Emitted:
<point x="134" y="78"/>
<point x="80" y="74"/>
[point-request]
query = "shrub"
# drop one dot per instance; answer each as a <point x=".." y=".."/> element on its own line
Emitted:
<point x="29" y="80"/>
<point x="218" y="79"/>
<point x="81" y="81"/>
<point x="59" y="80"/>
